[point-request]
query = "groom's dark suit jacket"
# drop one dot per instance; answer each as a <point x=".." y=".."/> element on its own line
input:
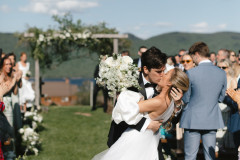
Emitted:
<point x="116" y="130"/>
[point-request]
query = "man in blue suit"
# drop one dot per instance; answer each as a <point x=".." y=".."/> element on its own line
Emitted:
<point x="202" y="116"/>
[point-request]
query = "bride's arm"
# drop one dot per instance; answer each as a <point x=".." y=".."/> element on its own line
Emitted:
<point x="151" y="105"/>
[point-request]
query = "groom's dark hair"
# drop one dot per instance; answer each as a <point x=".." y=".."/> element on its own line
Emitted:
<point x="153" y="58"/>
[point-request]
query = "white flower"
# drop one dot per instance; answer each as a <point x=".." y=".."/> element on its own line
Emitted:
<point x="67" y="35"/>
<point x="35" y="151"/>
<point x="21" y="130"/>
<point x="109" y="61"/>
<point x="127" y="59"/>
<point x="41" y="38"/>
<point x="34" y="125"/>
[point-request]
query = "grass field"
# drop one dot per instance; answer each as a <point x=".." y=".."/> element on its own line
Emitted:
<point x="73" y="133"/>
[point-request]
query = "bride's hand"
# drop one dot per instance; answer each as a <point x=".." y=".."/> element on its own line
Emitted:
<point x="177" y="95"/>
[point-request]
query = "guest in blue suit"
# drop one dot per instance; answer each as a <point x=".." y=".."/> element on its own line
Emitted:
<point x="234" y="120"/>
<point x="202" y="116"/>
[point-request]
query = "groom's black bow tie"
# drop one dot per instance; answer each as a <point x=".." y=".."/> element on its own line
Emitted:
<point x="149" y="85"/>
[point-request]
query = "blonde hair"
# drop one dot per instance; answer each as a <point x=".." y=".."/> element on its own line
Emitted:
<point x="236" y="69"/>
<point x="179" y="79"/>
<point x="228" y="63"/>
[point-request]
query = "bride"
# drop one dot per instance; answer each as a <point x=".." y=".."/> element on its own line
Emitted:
<point x="143" y="145"/>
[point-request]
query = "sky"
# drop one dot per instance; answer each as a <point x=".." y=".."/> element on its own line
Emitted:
<point x="143" y="18"/>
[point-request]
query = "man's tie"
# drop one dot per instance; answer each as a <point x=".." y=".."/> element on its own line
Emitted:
<point x="154" y="88"/>
<point x="148" y="85"/>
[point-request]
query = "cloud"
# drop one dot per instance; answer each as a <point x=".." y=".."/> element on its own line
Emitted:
<point x="4" y="8"/>
<point x="57" y="6"/>
<point x="204" y="27"/>
<point x="200" y="25"/>
<point x="138" y="27"/>
<point x="163" y="24"/>
<point x="222" y="26"/>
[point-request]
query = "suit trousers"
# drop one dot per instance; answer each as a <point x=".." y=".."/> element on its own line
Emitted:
<point x="192" y="141"/>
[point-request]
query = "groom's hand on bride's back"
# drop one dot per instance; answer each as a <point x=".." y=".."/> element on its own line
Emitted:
<point x="154" y="125"/>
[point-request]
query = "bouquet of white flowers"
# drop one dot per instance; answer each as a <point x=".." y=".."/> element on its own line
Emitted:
<point x="117" y="73"/>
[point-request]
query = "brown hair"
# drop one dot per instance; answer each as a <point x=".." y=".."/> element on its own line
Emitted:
<point x="201" y="48"/>
<point x="22" y="53"/>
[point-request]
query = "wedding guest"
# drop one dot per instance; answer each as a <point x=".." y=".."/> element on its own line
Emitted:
<point x="202" y="117"/>
<point x="233" y="57"/>
<point x="125" y="53"/>
<point x="225" y="138"/>
<point x="213" y="58"/>
<point x="187" y="62"/>
<point x="24" y="66"/>
<point x="17" y="118"/>
<point x="0" y="53"/>
<point x="6" y="72"/>
<point x="15" y="98"/>
<point x="226" y="65"/>
<point x="96" y="90"/>
<point x="222" y="54"/>
<point x="3" y="54"/>
<point x="137" y="61"/>
<point x="6" y="131"/>
<point x="236" y="69"/>
<point x="170" y="63"/>
<point x="177" y="60"/>
<point x="180" y="55"/>
<point x="233" y="101"/>
<point x="238" y="58"/>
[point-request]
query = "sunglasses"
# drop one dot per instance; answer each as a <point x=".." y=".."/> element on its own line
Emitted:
<point x="222" y="67"/>
<point x="187" y="61"/>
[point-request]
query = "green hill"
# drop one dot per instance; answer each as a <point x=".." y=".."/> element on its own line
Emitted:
<point x="169" y="43"/>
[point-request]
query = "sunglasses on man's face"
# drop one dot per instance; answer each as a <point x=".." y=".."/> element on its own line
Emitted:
<point x="187" y="61"/>
<point x="223" y="67"/>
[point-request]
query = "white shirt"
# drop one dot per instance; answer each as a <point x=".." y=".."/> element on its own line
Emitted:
<point x="139" y="63"/>
<point x="205" y="61"/>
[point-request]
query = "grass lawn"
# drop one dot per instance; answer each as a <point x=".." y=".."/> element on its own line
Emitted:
<point x="70" y="135"/>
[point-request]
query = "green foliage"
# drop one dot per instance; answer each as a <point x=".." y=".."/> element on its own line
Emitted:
<point x="56" y="46"/>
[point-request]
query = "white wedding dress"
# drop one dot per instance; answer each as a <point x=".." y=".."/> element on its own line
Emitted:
<point x="26" y="92"/>
<point x="133" y="145"/>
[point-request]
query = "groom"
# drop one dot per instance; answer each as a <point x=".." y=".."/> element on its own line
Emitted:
<point x="153" y="66"/>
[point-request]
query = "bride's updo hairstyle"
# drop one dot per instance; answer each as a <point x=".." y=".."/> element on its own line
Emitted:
<point x="179" y="79"/>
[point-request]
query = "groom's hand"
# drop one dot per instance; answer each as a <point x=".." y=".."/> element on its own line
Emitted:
<point x="154" y="125"/>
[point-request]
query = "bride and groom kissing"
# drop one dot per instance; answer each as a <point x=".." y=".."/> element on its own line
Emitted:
<point x="139" y="113"/>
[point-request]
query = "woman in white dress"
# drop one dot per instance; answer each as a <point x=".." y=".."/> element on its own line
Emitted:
<point x="26" y="93"/>
<point x="143" y="145"/>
